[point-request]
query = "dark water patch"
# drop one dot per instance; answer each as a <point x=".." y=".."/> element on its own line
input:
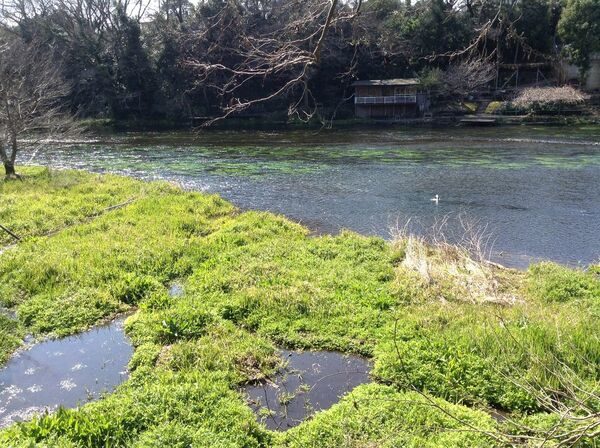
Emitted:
<point x="64" y="372"/>
<point x="514" y="207"/>
<point x="500" y="416"/>
<point x="310" y="382"/>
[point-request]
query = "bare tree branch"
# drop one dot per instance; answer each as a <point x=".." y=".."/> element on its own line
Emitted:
<point x="32" y="91"/>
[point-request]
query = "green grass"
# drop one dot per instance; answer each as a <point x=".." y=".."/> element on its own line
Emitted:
<point x="10" y="336"/>
<point x="484" y="355"/>
<point x="550" y="282"/>
<point x="46" y="202"/>
<point x="379" y="416"/>
<point x="254" y="281"/>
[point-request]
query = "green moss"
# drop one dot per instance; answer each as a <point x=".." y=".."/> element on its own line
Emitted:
<point x="240" y="355"/>
<point x="10" y="336"/>
<point x="67" y="282"/>
<point x="202" y="403"/>
<point x="48" y="200"/>
<point x="538" y="426"/>
<point x="61" y="313"/>
<point x="362" y="419"/>
<point x="145" y="355"/>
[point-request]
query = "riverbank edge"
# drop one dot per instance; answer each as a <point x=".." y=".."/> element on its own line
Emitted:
<point x="110" y="125"/>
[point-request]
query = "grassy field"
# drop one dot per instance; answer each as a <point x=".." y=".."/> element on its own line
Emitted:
<point x="450" y="338"/>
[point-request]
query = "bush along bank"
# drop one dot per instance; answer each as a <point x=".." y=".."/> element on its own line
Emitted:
<point x="453" y="340"/>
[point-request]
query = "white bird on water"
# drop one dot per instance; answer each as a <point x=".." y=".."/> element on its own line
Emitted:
<point x="436" y="199"/>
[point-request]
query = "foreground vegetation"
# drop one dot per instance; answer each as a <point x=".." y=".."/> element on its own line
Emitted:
<point x="450" y="338"/>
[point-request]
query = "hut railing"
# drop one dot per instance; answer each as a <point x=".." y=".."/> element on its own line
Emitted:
<point x="394" y="99"/>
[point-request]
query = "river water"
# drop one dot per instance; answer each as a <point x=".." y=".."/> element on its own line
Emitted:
<point x="536" y="189"/>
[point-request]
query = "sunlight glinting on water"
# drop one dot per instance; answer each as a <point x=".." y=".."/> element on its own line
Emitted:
<point x="536" y="189"/>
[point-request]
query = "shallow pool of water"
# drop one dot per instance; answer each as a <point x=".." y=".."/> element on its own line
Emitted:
<point x="536" y="188"/>
<point x="311" y="381"/>
<point x="63" y="372"/>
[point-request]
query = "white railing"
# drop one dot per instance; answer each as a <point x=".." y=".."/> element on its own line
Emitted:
<point x="394" y="99"/>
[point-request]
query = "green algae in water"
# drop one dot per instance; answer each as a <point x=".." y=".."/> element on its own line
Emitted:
<point x="365" y="179"/>
<point x="568" y="162"/>
<point x="260" y="168"/>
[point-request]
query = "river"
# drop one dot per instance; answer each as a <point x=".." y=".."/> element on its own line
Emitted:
<point x="537" y="189"/>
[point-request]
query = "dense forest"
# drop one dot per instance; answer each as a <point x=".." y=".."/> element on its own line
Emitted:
<point x="177" y="59"/>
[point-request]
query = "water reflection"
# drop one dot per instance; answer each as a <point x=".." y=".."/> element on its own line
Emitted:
<point x="310" y="382"/>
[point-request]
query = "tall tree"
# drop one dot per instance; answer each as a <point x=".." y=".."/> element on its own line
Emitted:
<point x="221" y="57"/>
<point x="273" y="61"/>
<point x="32" y="92"/>
<point x="579" y="28"/>
<point x="133" y="77"/>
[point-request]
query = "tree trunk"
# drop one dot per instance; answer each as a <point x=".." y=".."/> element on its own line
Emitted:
<point x="9" y="169"/>
<point x="9" y="162"/>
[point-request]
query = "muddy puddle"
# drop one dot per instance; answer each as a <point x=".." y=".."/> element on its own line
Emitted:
<point x="64" y="372"/>
<point x="310" y="382"/>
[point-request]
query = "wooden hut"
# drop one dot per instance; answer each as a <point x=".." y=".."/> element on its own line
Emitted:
<point x="390" y="99"/>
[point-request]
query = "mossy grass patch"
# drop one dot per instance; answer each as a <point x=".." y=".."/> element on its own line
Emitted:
<point x="254" y="281"/>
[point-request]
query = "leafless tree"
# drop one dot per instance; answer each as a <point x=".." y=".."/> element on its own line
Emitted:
<point x="466" y="76"/>
<point x="284" y="55"/>
<point x="32" y="91"/>
<point x="279" y="62"/>
<point x="97" y="14"/>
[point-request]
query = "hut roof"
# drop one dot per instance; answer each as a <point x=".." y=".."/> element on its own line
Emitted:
<point x="387" y="82"/>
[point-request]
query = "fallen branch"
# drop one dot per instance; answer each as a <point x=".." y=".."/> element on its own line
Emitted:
<point x="86" y="219"/>
<point x="7" y="230"/>
<point x="112" y="207"/>
<point x="91" y="217"/>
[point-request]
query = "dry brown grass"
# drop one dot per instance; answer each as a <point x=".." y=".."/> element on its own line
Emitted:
<point x="456" y="271"/>
<point x="546" y="95"/>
